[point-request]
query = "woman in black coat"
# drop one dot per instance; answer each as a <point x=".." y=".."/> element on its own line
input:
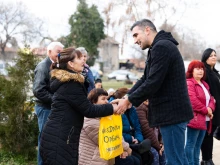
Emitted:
<point x="209" y="58"/>
<point x="60" y="136"/>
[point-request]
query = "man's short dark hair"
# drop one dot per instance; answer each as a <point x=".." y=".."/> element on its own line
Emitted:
<point x="98" y="80"/>
<point x="143" y="23"/>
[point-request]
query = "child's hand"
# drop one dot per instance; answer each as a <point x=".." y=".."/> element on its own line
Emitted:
<point x="161" y="150"/>
<point x="124" y="155"/>
<point x="134" y="141"/>
<point x="129" y="151"/>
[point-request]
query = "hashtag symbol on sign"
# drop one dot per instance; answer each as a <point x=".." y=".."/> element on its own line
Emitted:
<point x="103" y="130"/>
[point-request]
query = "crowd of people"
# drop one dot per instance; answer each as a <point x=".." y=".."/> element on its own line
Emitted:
<point x="168" y="116"/>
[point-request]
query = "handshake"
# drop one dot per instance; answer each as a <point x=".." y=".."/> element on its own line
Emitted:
<point x="121" y="105"/>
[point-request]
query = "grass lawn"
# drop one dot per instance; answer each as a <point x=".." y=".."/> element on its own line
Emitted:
<point x="114" y="84"/>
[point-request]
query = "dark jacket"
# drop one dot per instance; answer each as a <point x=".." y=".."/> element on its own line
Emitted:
<point x="198" y="101"/>
<point x="89" y="79"/>
<point x="60" y="136"/>
<point x="41" y="85"/>
<point x="147" y="131"/>
<point x="163" y="83"/>
<point x="213" y="80"/>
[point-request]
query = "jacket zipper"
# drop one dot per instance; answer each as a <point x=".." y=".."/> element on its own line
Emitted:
<point x="70" y="134"/>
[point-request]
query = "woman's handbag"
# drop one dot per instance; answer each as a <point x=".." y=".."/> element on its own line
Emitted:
<point x="217" y="133"/>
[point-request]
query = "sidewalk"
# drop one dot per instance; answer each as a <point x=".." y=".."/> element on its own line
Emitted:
<point x="216" y="152"/>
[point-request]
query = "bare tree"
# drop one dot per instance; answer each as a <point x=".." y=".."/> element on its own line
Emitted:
<point x="169" y="12"/>
<point x="17" y="24"/>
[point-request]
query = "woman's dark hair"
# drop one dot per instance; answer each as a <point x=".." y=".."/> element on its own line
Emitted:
<point x="206" y="54"/>
<point x="66" y="55"/>
<point x="119" y="93"/>
<point x="95" y="93"/>
<point x="195" y="64"/>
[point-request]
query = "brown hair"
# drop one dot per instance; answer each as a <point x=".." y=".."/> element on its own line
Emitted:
<point x="66" y="55"/>
<point x="95" y="93"/>
<point x="119" y="93"/>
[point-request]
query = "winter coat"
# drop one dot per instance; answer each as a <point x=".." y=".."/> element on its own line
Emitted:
<point x="147" y="131"/>
<point x="41" y="85"/>
<point x="198" y="101"/>
<point x="213" y="80"/>
<point x="163" y="83"/>
<point x="131" y="126"/>
<point x="88" y="146"/>
<point x="60" y="136"/>
<point x="89" y="79"/>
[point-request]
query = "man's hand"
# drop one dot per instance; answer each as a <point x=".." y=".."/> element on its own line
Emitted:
<point x="123" y="105"/>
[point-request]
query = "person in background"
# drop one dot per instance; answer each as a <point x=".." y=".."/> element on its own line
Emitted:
<point x="209" y="58"/>
<point x="132" y="130"/>
<point x="203" y="106"/>
<point x="61" y="133"/>
<point x="110" y="91"/>
<point x="87" y="73"/>
<point x="164" y="85"/>
<point x="153" y="134"/>
<point x="41" y="88"/>
<point x="98" y="83"/>
<point x="88" y="145"/>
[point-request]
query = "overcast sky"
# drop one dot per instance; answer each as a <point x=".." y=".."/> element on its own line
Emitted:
<point x="203" y="19"/>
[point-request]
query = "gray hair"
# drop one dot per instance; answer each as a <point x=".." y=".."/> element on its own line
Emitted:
<point x="143" y="23"/>
<point x="82" y="50"/>
<point x="52" y="45"/>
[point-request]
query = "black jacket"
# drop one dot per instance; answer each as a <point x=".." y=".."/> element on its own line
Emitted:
<point x="213" y="79"/>
<point x="163" y="83"/>
<point x="60" y="136"/>
<point x="41" y="85"/>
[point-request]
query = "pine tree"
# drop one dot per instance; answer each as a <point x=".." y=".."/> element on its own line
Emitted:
<point x="18" y="130"/>
<point x="87" y="29"/>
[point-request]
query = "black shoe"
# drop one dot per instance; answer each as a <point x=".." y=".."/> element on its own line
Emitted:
<point x="205" y="162"/>
<point x="211" y="162"/>
<point x="144" y="146"/>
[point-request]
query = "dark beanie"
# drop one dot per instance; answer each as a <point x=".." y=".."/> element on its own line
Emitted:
<point x="206" y="54"/>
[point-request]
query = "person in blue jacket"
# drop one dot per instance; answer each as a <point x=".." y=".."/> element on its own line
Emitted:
<point x="132" y="129"/>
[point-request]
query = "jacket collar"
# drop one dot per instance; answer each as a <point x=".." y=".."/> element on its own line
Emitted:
<point x="65" y="76"/>
<point x="195" y="82"/>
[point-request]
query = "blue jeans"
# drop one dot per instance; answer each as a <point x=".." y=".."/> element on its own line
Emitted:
<point x="42" y="114"/>
<point x="193" y="144"/>
<point x="158" y="159"/>
<point x="174" y="142"/>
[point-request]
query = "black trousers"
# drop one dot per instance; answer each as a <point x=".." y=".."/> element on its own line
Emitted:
<point x="207" y="144"/>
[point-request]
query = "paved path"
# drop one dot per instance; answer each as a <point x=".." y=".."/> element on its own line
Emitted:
<point x="216" y="152"/>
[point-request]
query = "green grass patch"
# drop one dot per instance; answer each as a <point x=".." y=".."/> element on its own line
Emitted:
<point x="115" y="84"/>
